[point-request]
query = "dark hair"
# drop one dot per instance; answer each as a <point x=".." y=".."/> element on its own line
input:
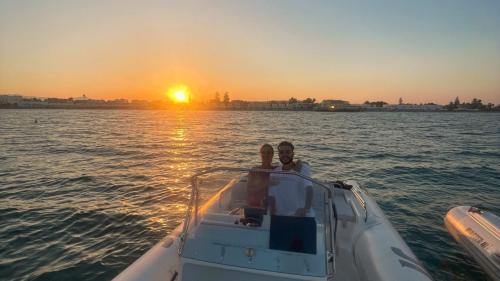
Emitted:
<point x="285" y="143"/>
<point x="266" y="145"/>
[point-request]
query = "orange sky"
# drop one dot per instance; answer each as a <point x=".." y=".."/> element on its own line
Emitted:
<point x="427" y="52"/>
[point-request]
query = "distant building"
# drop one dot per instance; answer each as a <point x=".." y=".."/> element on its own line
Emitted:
<point x="300" y="106"/>
<point x="333" y="105"/>
<point x="33" y="103"/>
<point x="57" y="102"/>
<point x="412" y="107"/>
<point x="367" y="106"/>
<point x="82" y="98"/>
<point x="238" y="104"/>
<point x="140" y="103"/>
<point x="279" y="105"/>
<point x="118" y="102"/>
<point x="11" y="99"/>
<point x="259" y="105"/>
<point x="89" y="103"/>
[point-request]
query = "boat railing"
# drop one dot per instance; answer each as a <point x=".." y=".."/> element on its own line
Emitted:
<point x="356" y="191"/>
<point x="193" y="207"/>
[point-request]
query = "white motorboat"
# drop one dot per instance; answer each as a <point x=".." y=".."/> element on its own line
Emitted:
<point x="224" y="239"/>
<point x="478" y="232"/>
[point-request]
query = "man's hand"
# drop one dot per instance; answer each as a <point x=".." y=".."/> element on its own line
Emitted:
<point x="301" y="212"/>
<point x="297" y="165"/>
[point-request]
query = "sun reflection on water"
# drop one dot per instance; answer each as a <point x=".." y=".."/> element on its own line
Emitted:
<point x="180" y="135"/>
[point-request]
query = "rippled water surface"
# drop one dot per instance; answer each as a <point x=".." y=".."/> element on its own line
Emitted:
<point x="85" y="193"/>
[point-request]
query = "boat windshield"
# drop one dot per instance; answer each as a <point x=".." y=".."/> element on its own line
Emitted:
<point x="273" y="212"/>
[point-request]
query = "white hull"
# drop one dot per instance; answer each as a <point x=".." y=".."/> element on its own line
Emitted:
<point x="367" y="248"/>
<point x="478" y="232"/>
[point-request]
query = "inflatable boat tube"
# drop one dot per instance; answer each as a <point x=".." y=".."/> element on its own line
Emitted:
<point x="478" y="232"/>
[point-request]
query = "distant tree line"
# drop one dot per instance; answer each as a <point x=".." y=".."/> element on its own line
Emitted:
<point x="475" y="104"/>
<point x="376" y="103"/>
<point x="217" y="100"/>
<point x="308" y="100"/>
<point x="226" y="100"/>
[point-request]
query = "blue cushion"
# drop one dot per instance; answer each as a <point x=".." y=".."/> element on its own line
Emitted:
<point x="293" y="234"/>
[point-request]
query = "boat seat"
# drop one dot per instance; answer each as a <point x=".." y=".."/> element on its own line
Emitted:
<point x="293" y="234"/>
<point x="342" y="208"/>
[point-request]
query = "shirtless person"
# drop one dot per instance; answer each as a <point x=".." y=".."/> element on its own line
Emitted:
<point x="288" y="196"/>
<point x="259" y="182"/>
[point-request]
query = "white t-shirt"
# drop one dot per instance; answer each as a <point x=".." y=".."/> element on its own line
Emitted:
<point x="290" y="193"/>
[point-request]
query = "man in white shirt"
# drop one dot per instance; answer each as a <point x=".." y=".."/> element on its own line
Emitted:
<point x="293" y="195"/>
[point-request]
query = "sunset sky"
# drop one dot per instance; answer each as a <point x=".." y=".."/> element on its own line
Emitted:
<point x="422" y="51"/>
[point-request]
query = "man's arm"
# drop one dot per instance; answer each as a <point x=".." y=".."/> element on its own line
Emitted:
<point x="306" y="171"/>
<point x="309" y="197"/>
<point x="302" y="212"/>
<point x="271" y="205"/>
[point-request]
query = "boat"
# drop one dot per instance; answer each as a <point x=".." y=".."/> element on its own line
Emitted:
<point x="478" y="232"/>
<point x="224" y="238"/>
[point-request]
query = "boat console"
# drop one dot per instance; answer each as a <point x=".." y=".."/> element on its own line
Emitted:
<point x="231" y="233"/>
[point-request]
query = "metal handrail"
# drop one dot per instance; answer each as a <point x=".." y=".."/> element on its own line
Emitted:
<point x="362" y="202"/>
<point x="195" y="192"/>
<point x="356" y="191"/>
<point x="187" y="219"/>
<point x="230" y="169"/>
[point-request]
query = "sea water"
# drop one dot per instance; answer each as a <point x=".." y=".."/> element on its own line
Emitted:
<point x="84" y="193"/>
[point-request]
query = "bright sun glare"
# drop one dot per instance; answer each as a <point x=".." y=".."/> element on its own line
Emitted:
<point x="179" y="94"/>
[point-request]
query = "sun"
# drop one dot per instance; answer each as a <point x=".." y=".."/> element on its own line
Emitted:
<point x="179" y="94"/>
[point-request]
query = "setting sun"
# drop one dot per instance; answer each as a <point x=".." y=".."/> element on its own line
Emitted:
<point x="179" y="94"/>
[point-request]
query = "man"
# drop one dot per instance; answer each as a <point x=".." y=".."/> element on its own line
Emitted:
<point x="289" y="198"/>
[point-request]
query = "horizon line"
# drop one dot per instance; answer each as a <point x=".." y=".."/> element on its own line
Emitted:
<point x="205" y="100"/>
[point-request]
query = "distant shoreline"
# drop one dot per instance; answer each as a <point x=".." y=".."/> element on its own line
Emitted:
<point x="232" y="109"/>
<point x="216" y="104"/>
